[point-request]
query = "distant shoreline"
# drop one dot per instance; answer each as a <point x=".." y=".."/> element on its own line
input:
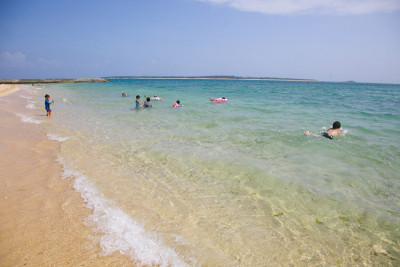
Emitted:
<point x="35" y="81"/>
<point x="211" y="78"/>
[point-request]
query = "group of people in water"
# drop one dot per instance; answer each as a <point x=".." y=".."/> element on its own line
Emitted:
<point x="335" y="130"/>
<point x="148" y="104"/>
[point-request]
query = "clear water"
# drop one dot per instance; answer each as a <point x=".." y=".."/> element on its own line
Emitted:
<point x="236" y="183"/>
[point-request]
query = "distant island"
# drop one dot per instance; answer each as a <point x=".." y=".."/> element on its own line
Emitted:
<point x="213" y="77"/>
<point x="106" y="79"/>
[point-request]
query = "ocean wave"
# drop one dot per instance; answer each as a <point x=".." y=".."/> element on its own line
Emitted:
<point x="57" y="138"/>
<point x="30" y="106"/>
<point x="25" y="118"/>
<point x="119" y="231"/>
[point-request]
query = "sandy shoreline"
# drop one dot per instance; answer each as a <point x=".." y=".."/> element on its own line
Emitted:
<point x="7" y="89"/>
<point x="41" y="216"/>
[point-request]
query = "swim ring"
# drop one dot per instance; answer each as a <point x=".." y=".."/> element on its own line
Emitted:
<point x="220" y="100"/>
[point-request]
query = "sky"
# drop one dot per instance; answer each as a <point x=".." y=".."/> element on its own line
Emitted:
<point x="327" y="40"/>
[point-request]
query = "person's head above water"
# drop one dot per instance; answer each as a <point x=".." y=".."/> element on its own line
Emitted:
<point x="178" y="102"/>
<point x="336" y="125"/>
<point x="138" y="96"/>
<point x="148" y="99"/>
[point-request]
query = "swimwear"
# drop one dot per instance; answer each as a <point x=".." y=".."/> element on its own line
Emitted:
<point x="47" y="105"/>
<point x="327" y="135"/>
<point x="137" y="105"/>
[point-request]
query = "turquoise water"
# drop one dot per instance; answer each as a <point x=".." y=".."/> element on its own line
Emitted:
<point x="236" y="183"/>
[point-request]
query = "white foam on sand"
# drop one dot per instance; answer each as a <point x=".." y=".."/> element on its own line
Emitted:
<point x="55" y="137"/>
<point x="28" y="119"/>
<point x="119" y="231"/>
<point x="30" y="106"/>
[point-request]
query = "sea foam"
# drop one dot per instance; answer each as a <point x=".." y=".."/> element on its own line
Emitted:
<point x="25" y="118"/>
<point x="119" y="231"/>
<point x="55" y="137"/>
<point x="30" y="106"/>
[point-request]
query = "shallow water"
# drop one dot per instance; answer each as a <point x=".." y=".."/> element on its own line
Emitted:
<point x="236" y="183"/>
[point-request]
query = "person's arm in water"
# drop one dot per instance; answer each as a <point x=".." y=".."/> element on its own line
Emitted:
<point x="331" y="131"/>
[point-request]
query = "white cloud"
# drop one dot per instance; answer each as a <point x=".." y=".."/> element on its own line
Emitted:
<point x="50" y="62"/>
<point x="337" y="7"/>
<point x="16" y="59"/>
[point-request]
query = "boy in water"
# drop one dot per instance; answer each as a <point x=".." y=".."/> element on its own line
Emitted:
<point x="47" y="104"/>
<point x="147" y="104"/>
<point x="333" y="131"/>
<point x="177" y="104"/>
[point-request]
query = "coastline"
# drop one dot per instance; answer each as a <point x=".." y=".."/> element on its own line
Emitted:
<point x="36" y="81"/>
<point x="7" y="89"/>
<point x="42" y="218"/>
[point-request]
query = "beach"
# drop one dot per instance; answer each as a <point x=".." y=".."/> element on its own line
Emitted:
<point x="42" y="219"/>
<point x="101" y="183"/>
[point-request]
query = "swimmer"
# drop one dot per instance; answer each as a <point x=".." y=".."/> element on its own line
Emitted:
<point x="155" y="97"/>
<point x="332" y="132"/>
<point x="138" y="102"/>
<point x="124" y="95"/>
<point x="177" y="104"/>
<point x="217" y="99"/>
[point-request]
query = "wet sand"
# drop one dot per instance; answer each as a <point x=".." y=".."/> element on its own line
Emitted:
<point x="7" y="89"/>
<point x="41" y="216"/>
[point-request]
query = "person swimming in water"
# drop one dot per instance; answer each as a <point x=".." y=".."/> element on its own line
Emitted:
<point x="177" y="104"/>
<point x="332" y="132"/>
<point x="217" y="99"/>
<point x="156" y="97"/>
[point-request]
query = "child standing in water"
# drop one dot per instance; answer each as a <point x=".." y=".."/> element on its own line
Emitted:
<point x="138" y="102"/>
<point x="47" y="104"/>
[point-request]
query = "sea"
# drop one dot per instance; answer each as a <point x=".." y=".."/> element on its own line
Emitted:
<point x="235" y="183"/>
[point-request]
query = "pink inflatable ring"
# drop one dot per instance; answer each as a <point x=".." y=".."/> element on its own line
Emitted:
<point x="220" y="100"/>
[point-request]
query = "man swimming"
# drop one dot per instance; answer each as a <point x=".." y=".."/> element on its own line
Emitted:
<point x="216" y="99"/>
<point x="333" y="131"/>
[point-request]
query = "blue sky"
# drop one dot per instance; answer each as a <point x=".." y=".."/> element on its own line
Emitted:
<point x="328" y="40"/>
